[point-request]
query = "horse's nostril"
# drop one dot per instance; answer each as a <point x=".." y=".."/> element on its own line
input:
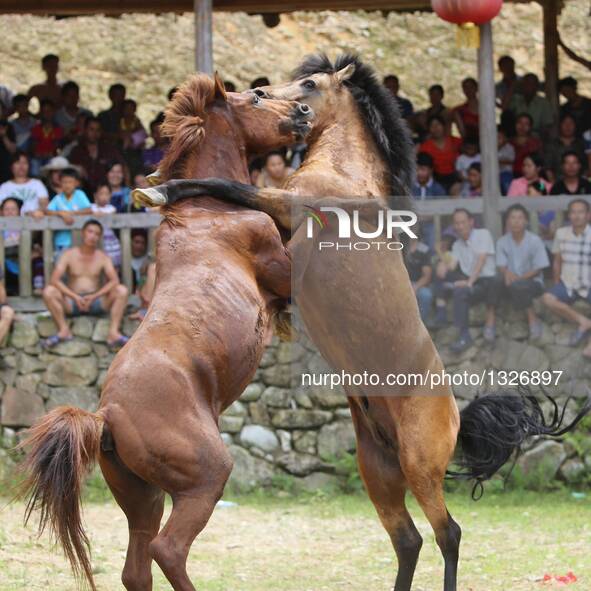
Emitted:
<point x="304" y="109"/>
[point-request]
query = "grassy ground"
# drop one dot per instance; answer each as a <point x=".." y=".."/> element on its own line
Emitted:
<point x="328" y="542"/>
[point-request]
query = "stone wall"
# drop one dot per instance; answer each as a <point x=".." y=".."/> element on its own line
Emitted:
<point x="278" y="428"/>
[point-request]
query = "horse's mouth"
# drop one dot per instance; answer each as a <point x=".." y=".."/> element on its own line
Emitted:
<point x="300" y="120"/>
<point x="302" y="129"/>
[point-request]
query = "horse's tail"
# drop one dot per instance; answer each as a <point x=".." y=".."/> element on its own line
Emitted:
<point x="62" y="447"/>
<point x="494" y="427"/>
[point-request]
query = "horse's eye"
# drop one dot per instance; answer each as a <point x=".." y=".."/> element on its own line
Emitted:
<point x="309" y="84"/>
<point x="255" y="99"/>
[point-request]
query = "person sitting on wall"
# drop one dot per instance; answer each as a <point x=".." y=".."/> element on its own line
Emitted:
<point x="572" y="271"/>
<point x="6" y="315"/>
<point x="471" y="279"/>
<point x="521" y="258"/>
<point x="83" y="293"/>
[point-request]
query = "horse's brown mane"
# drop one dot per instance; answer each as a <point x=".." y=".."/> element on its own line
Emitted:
<point x="184" y="118"/>
<point x="183" y="122"/>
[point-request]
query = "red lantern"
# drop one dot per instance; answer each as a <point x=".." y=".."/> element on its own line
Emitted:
<point x="467" y="14"/>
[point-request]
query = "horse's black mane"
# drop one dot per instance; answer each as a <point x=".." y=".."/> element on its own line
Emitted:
<point x="380" y="111"/>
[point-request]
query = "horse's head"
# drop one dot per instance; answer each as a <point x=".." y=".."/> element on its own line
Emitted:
<point x="263" y="125"/>
<point x="205" y="124"/>
<point x="324" y="91"/>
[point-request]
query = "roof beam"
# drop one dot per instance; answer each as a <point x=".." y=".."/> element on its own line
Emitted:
<point x="77" y="7"/>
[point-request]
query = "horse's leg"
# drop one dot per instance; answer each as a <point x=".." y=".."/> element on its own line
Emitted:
<point x="192" y="508"/>
<point x="426" y="445"/>
<point x="386" y="488"/>
<point x="142" y="504"/>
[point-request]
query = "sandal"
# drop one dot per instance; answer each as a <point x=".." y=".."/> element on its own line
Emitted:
<point x="54" y="340"/>
<point x="117" y="343"/>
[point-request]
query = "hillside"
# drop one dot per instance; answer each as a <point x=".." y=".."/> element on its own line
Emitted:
<point x="151" y="53"/>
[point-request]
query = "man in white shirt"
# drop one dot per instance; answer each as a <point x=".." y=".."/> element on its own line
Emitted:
<point x="473" y="279"/>
<point x="572" y="271"/>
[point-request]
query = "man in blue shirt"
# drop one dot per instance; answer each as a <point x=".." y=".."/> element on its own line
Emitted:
<point x="70" y="202"/>
<point x="521" y="257"/>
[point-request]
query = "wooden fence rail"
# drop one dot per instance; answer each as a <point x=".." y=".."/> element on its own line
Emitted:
<point x="436" y="210"/>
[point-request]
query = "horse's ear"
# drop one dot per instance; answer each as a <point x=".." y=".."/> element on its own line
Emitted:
<point x="220" y="89"/>
<point x="345" y="73"/>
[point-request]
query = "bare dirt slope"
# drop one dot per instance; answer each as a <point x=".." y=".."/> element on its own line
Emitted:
<point x="151" y="53"/>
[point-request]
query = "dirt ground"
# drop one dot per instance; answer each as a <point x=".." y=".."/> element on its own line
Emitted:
<point x="327" y="544"/>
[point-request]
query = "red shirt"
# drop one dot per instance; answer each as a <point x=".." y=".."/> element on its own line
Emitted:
<point x="532" y="146"/>
<point x="46" y="141"/>
<point x="444" y="159"/>
<point x="470" y="119"/>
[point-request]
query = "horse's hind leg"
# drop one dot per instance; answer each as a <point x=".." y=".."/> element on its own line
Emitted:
<point x="193" y="505"/>
<point x="386" y="488"/>
<point x="143" y="505"/>
<point x="424" y="454"/>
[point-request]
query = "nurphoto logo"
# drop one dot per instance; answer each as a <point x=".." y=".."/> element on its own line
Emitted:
<point x="389" y="224"/>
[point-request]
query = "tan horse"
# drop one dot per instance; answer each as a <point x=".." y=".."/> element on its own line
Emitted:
<point x="360" y="310"/>
<point x="222" y="273"/>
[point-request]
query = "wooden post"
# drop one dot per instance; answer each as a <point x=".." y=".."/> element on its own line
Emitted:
<point x="203" y="36"/>
<point x="489" y="149"/>
<point x="47" y="254"/>
<point x="126" y="270"/>
<point x="25" y="286"/>
<point x="551" y="65"/>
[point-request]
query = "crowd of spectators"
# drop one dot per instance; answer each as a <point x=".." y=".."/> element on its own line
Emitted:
<point x="538" y="155"/>
<point x="63" y="160"/>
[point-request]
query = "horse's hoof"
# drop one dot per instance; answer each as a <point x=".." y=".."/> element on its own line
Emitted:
<point x="149" y="197"/>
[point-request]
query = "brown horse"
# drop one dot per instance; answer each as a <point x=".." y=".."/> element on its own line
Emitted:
<point x="360" y="310"/>
<point x="222" y="273"/>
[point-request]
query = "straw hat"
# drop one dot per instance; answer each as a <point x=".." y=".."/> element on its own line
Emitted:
<point x="58" y="163"/>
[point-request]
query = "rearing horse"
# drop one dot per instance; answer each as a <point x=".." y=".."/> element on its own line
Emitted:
<point x="361" y="312"/>
<point x="222" y="273"/>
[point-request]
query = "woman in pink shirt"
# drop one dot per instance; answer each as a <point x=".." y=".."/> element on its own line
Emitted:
<point x="531" y="184"/>
<point x="532" y="167"/>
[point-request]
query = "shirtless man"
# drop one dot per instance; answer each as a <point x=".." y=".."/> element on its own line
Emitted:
<point x="83" y="294"/>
